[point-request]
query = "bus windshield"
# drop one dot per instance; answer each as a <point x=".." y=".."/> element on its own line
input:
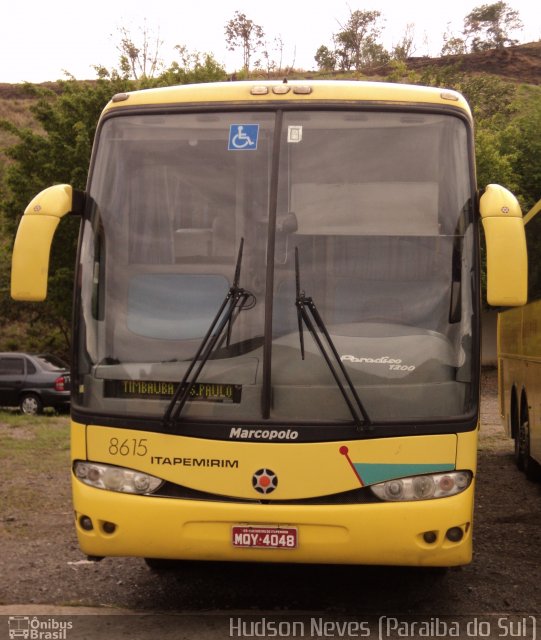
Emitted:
<point x="377" y="207"/>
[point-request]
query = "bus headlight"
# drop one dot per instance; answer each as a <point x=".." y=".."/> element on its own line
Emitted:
<point x="106" y="476"/>
<point x="434" y="485"/>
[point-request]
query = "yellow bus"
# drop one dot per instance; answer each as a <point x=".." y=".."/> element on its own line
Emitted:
<point x="276" y="336"/>
<point x="519" y="365"/>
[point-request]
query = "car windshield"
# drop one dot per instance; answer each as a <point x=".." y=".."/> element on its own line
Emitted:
<point x="377" y="207"/>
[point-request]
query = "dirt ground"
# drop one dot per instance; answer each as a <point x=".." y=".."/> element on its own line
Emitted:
<point x="40" y="562"/>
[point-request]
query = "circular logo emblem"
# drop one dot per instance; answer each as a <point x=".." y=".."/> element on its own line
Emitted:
<point x="264" y="481"/>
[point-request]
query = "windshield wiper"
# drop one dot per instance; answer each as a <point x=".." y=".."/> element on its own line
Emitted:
<point x="308" y="314"/>
<point x="236" y="300"/>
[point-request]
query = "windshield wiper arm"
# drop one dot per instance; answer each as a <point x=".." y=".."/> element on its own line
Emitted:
<point x="235" y="301"/>
<point x="308" y="314"/>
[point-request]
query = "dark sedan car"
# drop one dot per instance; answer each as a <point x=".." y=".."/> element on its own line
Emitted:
<point x="33" y="382"/>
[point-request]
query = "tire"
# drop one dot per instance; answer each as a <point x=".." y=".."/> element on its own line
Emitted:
<point x="30" y="404"/>
<point x="160" y="565"/>
<point x="519" y="461"/>
<point x="517" y="437"/>
<point x="532" y="470"/>
<point x="520" y="447"/>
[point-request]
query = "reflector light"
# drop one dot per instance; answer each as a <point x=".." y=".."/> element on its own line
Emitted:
<point x="430" y="537"/>
<point x="455" y="534"/>
<point x="109" y="527"/>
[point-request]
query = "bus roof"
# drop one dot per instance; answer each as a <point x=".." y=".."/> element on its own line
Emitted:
<point x="294" y="91"/>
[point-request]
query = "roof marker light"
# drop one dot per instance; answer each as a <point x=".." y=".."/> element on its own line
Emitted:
<point x="120" y="97"/>
<point x="449" y="95"/>
<point x="259" y="90"/>
<point x="281" y="89"/>
<point x="302" y="89"/>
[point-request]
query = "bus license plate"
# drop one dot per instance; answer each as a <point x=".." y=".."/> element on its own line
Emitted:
<point x="265" y="537"/>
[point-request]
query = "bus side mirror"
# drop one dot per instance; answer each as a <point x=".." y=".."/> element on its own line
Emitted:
<point x="507" y="261"/>
<point x="32" y="248"/>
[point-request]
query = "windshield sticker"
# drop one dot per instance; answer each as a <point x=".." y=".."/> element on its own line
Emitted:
<point x="394" y="364"/>
<point x="243" y="137"/>
<point x="294" y="133"/>
<point x="159" y="390"/>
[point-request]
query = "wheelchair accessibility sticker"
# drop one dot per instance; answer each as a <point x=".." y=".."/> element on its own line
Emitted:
<point x="243" y="137"/>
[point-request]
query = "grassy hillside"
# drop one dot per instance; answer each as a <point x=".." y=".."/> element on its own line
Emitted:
<point x="520" y="64"/>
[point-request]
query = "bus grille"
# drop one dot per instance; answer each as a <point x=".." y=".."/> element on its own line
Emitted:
<point x="362" y="495"/>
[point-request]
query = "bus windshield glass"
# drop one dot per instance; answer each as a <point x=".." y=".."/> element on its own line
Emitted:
<point x="377" y="207"/>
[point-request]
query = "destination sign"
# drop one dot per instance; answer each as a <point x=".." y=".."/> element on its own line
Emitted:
<point x="160" y="390"/>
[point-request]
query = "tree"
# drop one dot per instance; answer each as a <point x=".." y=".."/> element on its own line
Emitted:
<point x="489" y="25"/>
<point x="453" y="46"/>
<point x="272" y="56"/>
<point x="526" y="139"/>
<point x="374" y="54"/>
<point x="139" y="60"/>
<point x="242" y="32"/>
<point x="356" y="43"/>
<point x="405" y="48"/>
<point x="527" y="142"/>
<point x="325" y="58"/>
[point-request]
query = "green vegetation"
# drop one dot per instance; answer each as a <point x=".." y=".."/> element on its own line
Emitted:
<point x="38" y="435"/>
<point x="46" y="131"/>
<point x="37" y="450"/>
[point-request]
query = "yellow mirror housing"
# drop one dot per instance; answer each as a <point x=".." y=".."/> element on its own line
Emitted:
<point x="33" y="240"/>
<point x="507" y="261"/>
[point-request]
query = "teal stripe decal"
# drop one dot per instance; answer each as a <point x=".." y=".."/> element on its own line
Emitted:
<point x="374" y="473"/>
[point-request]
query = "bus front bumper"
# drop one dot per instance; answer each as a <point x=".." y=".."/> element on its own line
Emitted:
<point x="390" y="533"/>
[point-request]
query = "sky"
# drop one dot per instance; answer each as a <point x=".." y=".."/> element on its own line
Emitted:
<point x="40" y="41"/>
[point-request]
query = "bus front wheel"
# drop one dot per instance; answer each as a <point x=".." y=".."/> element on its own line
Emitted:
<point x="161" y="565"/>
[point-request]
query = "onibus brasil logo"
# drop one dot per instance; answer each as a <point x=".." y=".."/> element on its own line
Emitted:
<point x="34" y="628"/>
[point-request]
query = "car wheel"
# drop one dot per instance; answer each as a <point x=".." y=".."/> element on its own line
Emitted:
<point x="30" y="404"/>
